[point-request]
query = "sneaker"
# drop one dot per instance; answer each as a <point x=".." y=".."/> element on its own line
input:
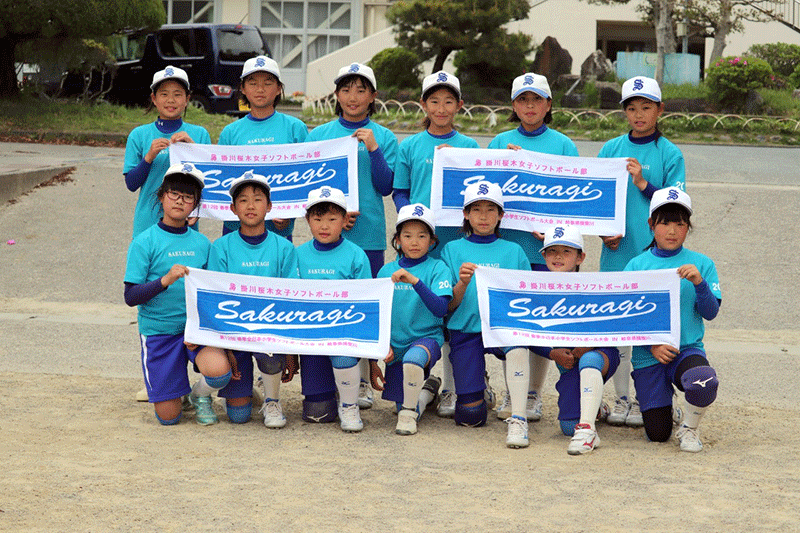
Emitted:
<point x="273" y="414"/>
<point x="447" y="404"/>
<point x="488" y="394"/>
<point x="583" y="441"/>
<point x="259" y="392"/>
<point x="186" y="405"/>
<point x="504" y="407"/>
<point x="603" y="412"/>
<point x="534" y="408"/>
<point x="677" y="412"/>
<point x="689" y="439"/>
<point x="350" y="418"/>
<point x="634" y="418"/>
<point x="619" y="413"/>
<point x="406" y="422"/>
<point x="517" y="436"/>
<point x="141" y="396"/>
<point x="432" y="385"/>
<point x="203" y="411"/>
<point x="365" y="395"/>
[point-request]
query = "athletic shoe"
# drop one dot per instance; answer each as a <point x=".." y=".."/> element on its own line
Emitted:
<point x="186" y="405"/>
<point x="365" y="395"/>
<point x="432" y="385"/>
<point x="677" y="412"/>
<point x="603" y="412"/>
<point x="350" y="418"/>
<point x="689" y="439"/>
<point x="533" y="410"/>
<point x="504" y="407"/>
<point x="517" y="436"/>
<point x="203" y="411"/>
<point x="584" y="440"/>
<point x="619" y="413"/>
<point x="259" y="392"/>
<point x="634" y="418"/>
<point x="273" y="414"/>
<point x="141" y="396"/>
<point x="447" y="404"/>
<point x="406" y="422"/>
<point x="488" y="394"/>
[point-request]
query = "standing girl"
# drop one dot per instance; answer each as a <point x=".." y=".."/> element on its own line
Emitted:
<point x="157" y="262"/>
<point x="441" y="101"/>
<point x="147" y="149"/>
<point x="423" y="291"/>
<point x="656" y="369"/>
<point x="532" y="103"/>
<point x="653" y="163"/>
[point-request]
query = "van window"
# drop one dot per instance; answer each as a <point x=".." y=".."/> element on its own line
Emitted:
<point x="240" y="44"/>
<point x="177" y="43"/>
<point x="127" y="47"/>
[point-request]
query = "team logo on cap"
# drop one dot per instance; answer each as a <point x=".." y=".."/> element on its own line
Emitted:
<point x="188" y="167"/>
<point x="672" y="195"/>
<point x="558" y="233"/>
<point x="353" y="67"/>
<point x="169" y="71"/>
<point x="248" y="175"/>
<point x="260" y="62"/>
<point x="418" y="211"/>
<point x="442" y="77"/>
<point x="325" y="193"/>
<point x="638" y="85"/>
<point x="483" y="189"/>
<point x="528" y="80"/>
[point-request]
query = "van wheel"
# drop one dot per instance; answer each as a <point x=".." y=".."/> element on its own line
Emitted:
<point x="200" y="102"/>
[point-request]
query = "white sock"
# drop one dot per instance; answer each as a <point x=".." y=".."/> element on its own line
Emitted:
<point x="621" y="377"/>
<point x="272" y="385"/>
<point x="425" y="399"/>
<point x="363" y="365"/>
<point x="447" y="369"/>
<point x="539" y="368"/>
<point x="692" y="415"/>
<point x="347" y="382"/>
<point x="413" y="379"/>
<point x="202" y="388"/>
<point x="591" y="395"/>
<point x="517" y="370"/>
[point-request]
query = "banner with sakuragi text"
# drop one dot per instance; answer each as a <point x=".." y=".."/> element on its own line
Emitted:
<point x="296" y="316"/>
<point x="523" y="308"/>
<point x="539" y="190"/>
<point x="292" y="170"/>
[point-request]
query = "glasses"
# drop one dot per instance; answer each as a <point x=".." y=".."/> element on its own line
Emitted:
<point x="174" y="196"/>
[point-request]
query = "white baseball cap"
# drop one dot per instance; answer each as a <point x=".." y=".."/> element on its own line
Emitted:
<point x="416" y="212"/>
<point x="246" y="178"/>
<point x="670" y="195"/>
<point x="441" y="78"/>
<point x="641" y="87"/>
<point x="357" y="69"/>
<point x="170" y="73"/>
<point x="535" y="83"/>
<point x="483" y="190"/>
<point x="261" y="64"/>
<point x="326" y="194"/>
<point x="562" y="236"/>
<point x="186" y="169"/>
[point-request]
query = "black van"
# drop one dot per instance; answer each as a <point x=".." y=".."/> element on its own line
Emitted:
<point x="211" y="54"/>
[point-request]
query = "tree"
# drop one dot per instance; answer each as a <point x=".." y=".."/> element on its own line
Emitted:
<point x="22" y="21"/>
<point x="494" y="60"/>
<point x="434" y="28"/>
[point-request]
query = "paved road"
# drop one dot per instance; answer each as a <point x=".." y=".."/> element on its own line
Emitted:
<point x="61" y="309"/>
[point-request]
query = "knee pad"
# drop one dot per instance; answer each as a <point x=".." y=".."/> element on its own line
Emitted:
<point x="593" y="359"/>
<point x="473" y="416"/>
<point x="239" y="414"/>
<point x="320" y="412"/>
<point x="170" y="422"/>
<point x="700" y="385"/>
<point x="343" y="361"/>
<point x="568" y="426"/>
<point x="658" y="423"/>
<point x="416" y="355"/>
<point x="271" y="364"/>
<point x="219" y="381"/>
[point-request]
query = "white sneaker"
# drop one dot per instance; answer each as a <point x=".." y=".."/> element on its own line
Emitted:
<point x="517" y="436"/>
<point x="583" y="441"/>
<point x="677" y="412"/>
<point x="533" y="410"/>
<point x="634" y="418"/>
<point x="488" y="394"/>
<point x="141" y="396"/>
<point x="689" y="439"/>
<point x="447" y="404"/>
<point x="350" y="418"/>
<point x="603" y="412"/>
<point x="273" y="414"/>
<point x="406" y="422"/>
<point x="366" y="397"/>
<point x="504" y="407"/>
<point x="619" y="413"/>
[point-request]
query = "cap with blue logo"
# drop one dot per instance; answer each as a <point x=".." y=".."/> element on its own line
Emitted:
<point x="443" y="79"/>
<point x="170" y="73"/>
<point x="248" y="177"/>
<point x="535" y="83"/>
<point x="483" y="190"/>
<point x="326" y="194"/>
<point x="186" y="169"/>
<point x="261" y="64"/>
<point x="641" y="87"/>
<point x="670" y="195"/>
<point x="357" y="69"/>
<point x="562" y="236"/>
<point x="416" y="212"/>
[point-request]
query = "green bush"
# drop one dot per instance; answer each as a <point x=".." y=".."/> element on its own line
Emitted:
<point x="729" y="79"/>
<point x="794" y="79"/>
<point x="396" y="68"/>
<point x="493" y="61"/>
<point x="782" y="57"/>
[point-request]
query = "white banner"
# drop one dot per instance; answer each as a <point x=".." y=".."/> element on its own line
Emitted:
<point x="539" y="190"/>
<point x="293" y="170"/>
<point x="297" y="316"/>
<point x="523" y="308"/>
